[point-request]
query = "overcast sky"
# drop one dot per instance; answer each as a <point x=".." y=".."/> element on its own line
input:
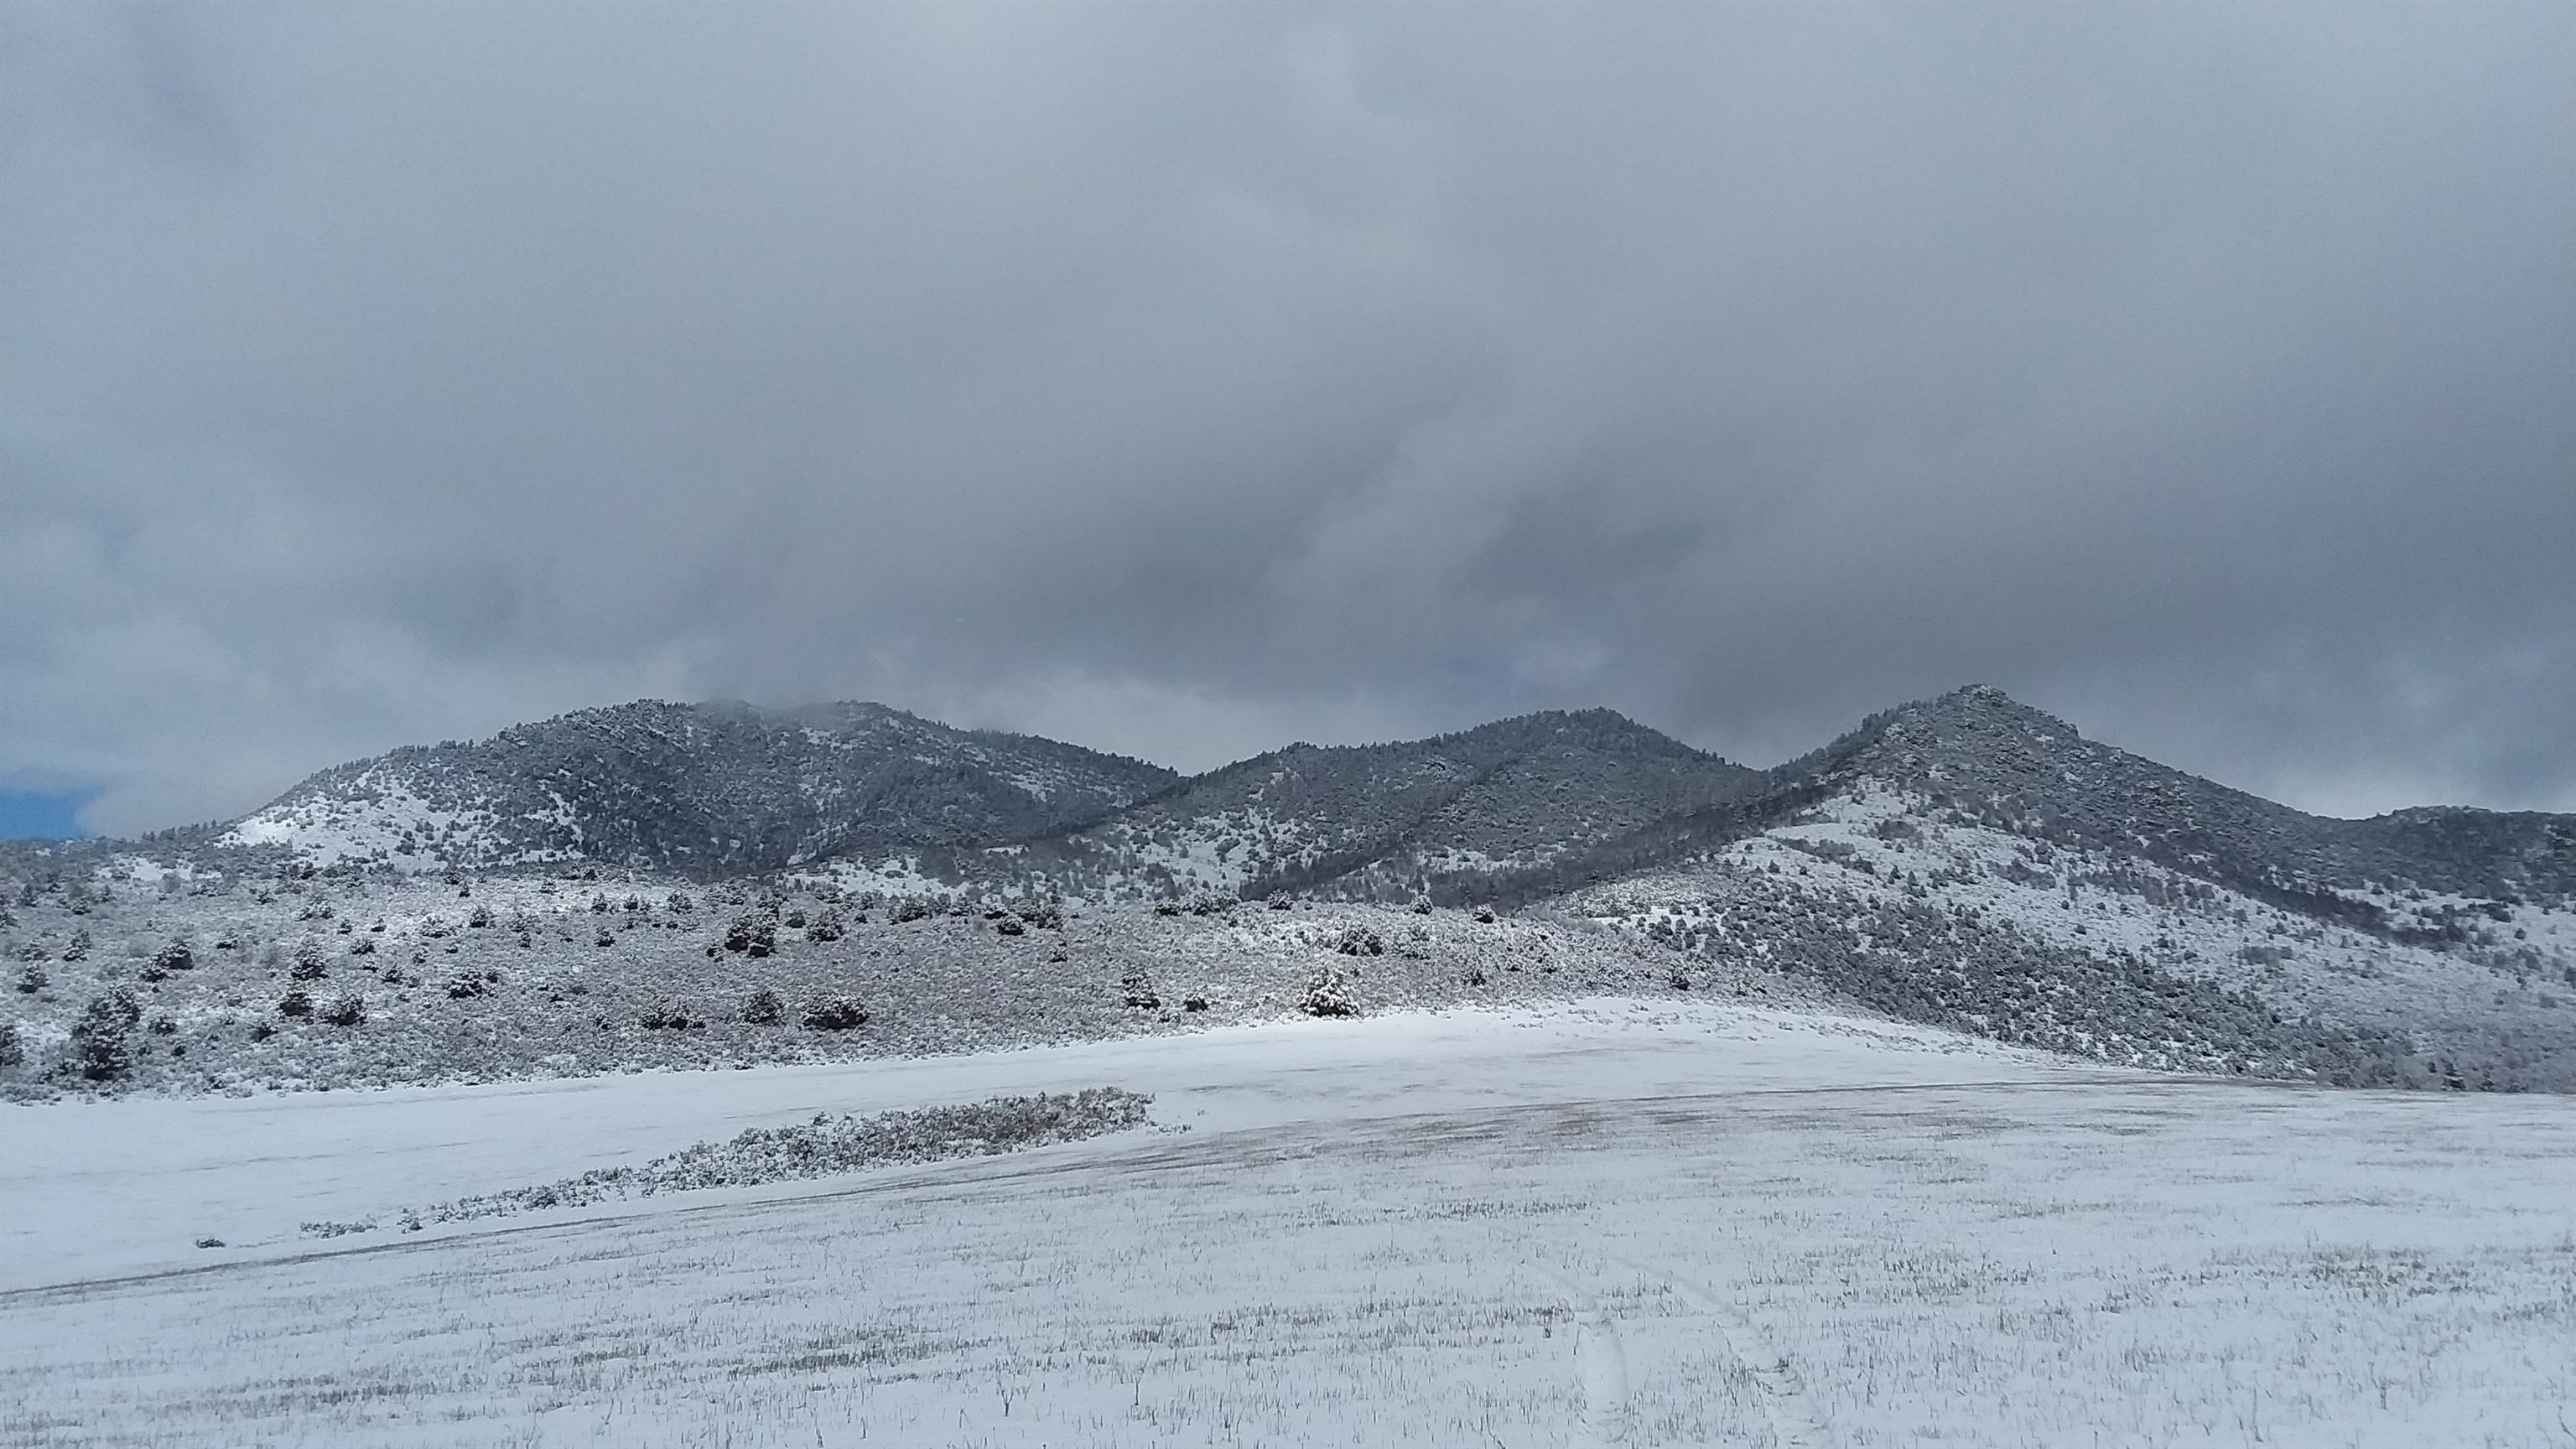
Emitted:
<point x="1187" y="380"/>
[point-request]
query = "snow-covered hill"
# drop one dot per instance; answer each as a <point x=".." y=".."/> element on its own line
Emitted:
<point x="699" y="789"/>
<point x="1882" y="895"/>
<point x="1963" y="860"/>
<point x="1395" y="821"/>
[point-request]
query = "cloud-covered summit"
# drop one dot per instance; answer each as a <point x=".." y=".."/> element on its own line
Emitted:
<point x="1181" y="381"/>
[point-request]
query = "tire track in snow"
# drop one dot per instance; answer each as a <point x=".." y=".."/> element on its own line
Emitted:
<point x="1783" y="1396"/>
<point x="1601" y="1363"/>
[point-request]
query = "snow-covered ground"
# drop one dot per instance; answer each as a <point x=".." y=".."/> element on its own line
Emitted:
<point x="1614" y="1222"/>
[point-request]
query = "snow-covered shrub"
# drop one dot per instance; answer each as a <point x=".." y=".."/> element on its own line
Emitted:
<point x="12" y="1055"/>
<point x="175" y="956"/>
<point x="346" y="1011"/>
<point x="296" y="1002"/>
<point x="763" y="1009"/>
<point x="310" y="962"/>
<point x="466" y="986"/>
<point x="751" y="936"/>
<point x="1359" y="941"/>
<point x="1010" y="926"/>
<point x="1328" y="993"/>
<point x="838" y="1015"/>
<point x="98" y="1045"/>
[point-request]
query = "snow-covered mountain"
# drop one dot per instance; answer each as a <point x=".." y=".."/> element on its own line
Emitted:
<point x="1394" y="821"/>
<point x="1964" y="861"/>
<point x="1978" y="752"/>
<point x="1970" y="861"/>
<point x="705" y="789"/>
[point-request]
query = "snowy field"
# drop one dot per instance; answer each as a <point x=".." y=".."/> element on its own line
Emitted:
<point x="1622" y="1222"/>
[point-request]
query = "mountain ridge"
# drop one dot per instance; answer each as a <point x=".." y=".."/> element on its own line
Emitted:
<point x="1964" y="861"/>
<point x="704" y="789"/>
<point x="1504" y="810"/>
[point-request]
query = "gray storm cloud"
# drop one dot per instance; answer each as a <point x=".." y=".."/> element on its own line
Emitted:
<point x="1182" y="381"/>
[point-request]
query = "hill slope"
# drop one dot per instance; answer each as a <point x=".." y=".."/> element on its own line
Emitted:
<point x="1970" y="861"/>
<point x="1394" y="820"/>
<point x="709" y="789"/>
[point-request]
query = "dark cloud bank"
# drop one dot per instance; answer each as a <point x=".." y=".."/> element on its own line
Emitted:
<point x="1185" y="380"/>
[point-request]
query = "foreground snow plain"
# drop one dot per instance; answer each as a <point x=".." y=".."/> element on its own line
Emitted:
<point x="1614" y="1222"/>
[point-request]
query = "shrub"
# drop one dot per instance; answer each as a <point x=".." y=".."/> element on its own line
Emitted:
<point x="1360" y="941"/>
<point x="175" y="956"/>
<point x="11" y="1053"/>
<point x="461" y="988"/>
<point x="826" y="926"/>
<point x="1010" y="926"/>
<point x="1328" y="993"/>
<point x="751" y="936"/>
<point x="79" y="947"/>
<point x="98" y="1043"/>
<point x="347" y="1011"/>
<point x="32" y="979"/>
<point x="296" y="1002"/>
<point x="310" y="963"/>
<point x="764" y="1008"/>
<point x="911" y="908"/>
<point x="840" y="1015"/>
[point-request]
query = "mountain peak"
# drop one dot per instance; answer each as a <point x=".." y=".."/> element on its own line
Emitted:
<point x="1979" y="709"/>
